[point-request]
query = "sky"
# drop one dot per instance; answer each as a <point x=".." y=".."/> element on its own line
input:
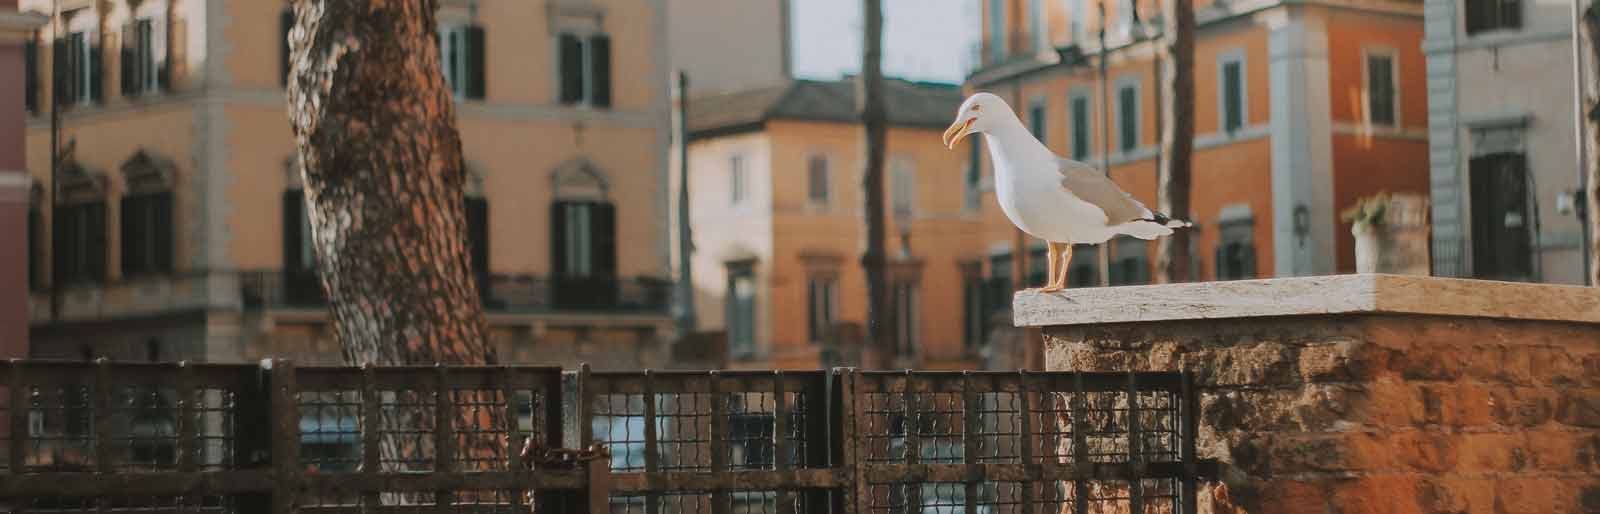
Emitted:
<point x="927" y="40"/>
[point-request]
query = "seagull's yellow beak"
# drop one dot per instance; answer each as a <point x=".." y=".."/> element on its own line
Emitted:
<point x="958" y="131"/>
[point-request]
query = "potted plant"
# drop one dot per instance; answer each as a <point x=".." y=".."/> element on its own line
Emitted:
<point x="1391" y="233"/>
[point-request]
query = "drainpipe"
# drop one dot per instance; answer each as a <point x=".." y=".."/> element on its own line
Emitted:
<point x="686" y="313"/>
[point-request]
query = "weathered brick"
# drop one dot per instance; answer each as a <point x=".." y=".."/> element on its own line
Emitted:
<point x="1580" y="407"/>
<point x="1499" y="363"/>
<point x="1522" y="406"/>
<point x="1382" y="494"/>
<point x="1534" y="495"/>
<point x="1555" y="365"/>
<point x="1252" y="364"/>
<point x="1553" y="450"/>
<point x="1493" y="452"/>
<point x="1455" y="495"/>
<point x="1430" y="362"/>
<point x="1327" y="362"/>
<point x="1387" y="403"/>
<point x="1461" y="404"/>
<point x="1313" y="452"/>
<point x="1427" y="451"/>
<point x="1294" y="497"/>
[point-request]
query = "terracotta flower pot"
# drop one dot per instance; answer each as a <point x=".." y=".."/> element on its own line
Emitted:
<point x="1399" y="243"/>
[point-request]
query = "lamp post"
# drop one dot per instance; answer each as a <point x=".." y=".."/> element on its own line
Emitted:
<point x="55" y="155"/>
<point x="1105" y="140"/>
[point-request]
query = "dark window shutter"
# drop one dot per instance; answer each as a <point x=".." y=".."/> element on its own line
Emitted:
<point x="603" y="230"/>
<point x="96" y="75"/>
<point x="60" y="70"/>
<point x="1128" y="112"/>
<point x="478" y="236"/>
<point x="1233" y="97"/>
<point x="293" y="206"/>
<point x="571" y="69"/>
<point x="163" y="68"/>
<point x="600" y="60"/>
<point x="285" y="24"/>
<point x="95" y="239"/>
<point x="161" y="231"/>
<point x="1380" y="90"/>
<point x="30" y="57"/>
<point x="1474" y="14"/>
<point x="558" y="238"/>
<point x="475" y="62"/>
<point x="34" y="221"/>
<point x="1511" y="14"/>
<point x="130" y="38"/>
<point x="133" y="227"/>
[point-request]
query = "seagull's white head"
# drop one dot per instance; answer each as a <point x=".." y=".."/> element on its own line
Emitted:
<point x="976" y="116"/>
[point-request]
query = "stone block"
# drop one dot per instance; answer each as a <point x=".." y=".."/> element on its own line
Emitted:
<point x="1556" y="365"/>
<point x="1535" y="495"/>
<point x="1322" y="452"/>
<point x="1426" y="451"/>
<point x="1565" y="451"/>
<point x="1493" y="452"/>
<point x="1293" y="497"/>
<point x="1580" y="408"/>
<point x="1456" y="495"/>
<point x="1377" y="494"/>
<point x="1499" y="363"/>
<point x="1430" y="362"/>
<point x="1243" y="365"/>
<point x="1459" y="404"/>
<point x="1328" y="362"/>
<point x="1522" y="406"/>
<point x="1388" y="403"/>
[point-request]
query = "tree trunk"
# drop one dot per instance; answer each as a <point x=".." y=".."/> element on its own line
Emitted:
<point x="869" y="102"/>
<point x="375" y="128"/>
<point x="1589" y="93"/>
<point x="1177" y="140"/>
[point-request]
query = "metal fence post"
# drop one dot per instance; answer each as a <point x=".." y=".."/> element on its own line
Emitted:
<point x="444" y="440"/>
<point x="285" y="410"/>
<point x="972" y="430"/>
<point x="1025" y="443"/>
<point x="371" y="431"/>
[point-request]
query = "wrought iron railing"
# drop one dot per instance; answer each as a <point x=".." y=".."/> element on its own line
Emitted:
<point x="279" y="438"/>
<point x="501" y="292"/>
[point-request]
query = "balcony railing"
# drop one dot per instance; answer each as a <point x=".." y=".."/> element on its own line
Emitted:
<point x="501" y="292"/>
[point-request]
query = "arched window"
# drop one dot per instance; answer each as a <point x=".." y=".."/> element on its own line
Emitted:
<point x="583" y="233"/>
<point x="79" y="222"/>
<point x="146" y="215"/>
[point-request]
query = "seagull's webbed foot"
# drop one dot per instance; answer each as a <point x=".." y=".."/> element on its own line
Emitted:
<point x="1050" y="289"/>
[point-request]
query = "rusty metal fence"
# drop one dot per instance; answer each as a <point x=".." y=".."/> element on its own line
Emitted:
<point x="112" y="437"/>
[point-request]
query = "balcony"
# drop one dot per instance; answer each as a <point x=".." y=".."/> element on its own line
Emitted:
<point x="504" y="293"/>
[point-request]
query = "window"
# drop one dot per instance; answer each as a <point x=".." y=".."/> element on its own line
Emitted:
<point x="1501" y="219"/>
<point x="817" y="183"/>
<point x="1381" y="89"/>
<point x="974" y="312"/>
<point x="79" y="76"/>
<point x="903" y="181"/>
<point x="1236" y="252"/>
<point x="1080" y="126"/>
<point x="1232" y="92"/>
<point x="285" y="24"/>
<point x="30" y="75"/>
<point x="585" y="238"/>
<point x="1036" y="121"/>
<point x="143" y="69"/>
<point x="997" y="30"/>
<point x="1036" y="29"/>
<point x="585" y="69"/>
<point x="461" y="53"/>
<point x="1128" y="117"/>
<point x="301" y="285"/>
<point x="147" y="233"/>
<point x="1486" y="15"/>
<point x="80" y="254"/>
<point x="35" y="243"/>
<point x="477" y="208"/>
<point x="903" y="294"/>
<point x="999" y="284"/>
<point x="974" y="175"/>
<point x="736" y="178"/>
<point x="1084" y="269"/>
<point x="741" y="310"/>
<point x="820" y="295"/>
<point x="1130" y="265"/>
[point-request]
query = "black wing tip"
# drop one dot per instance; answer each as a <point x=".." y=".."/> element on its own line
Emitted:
<point x="1167" y="221"/>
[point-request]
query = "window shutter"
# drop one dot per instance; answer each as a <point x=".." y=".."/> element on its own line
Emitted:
<point x="164" y="68"/>
<point x="1219" y="267"/>
<point x="129" y="55"/>
<point x="1232" y="97"/>
<point x="1247" y="260"/>
<point x="35" y="226"/>
<point x="285" y="24"/>
<point x="1474" y="14"/>
<point x="600" y="60"/>
<point x="1511" y="14"/>
<point x="571" y="69"/>
<point x="558" y="238"/>
<point x="161" y="231"/>
<point x="603" y="227"/>
<point x="60" y="70"/>
<point x="133" y="226"/>
<point x="293" y="205"/>
<point x="95" y="240"/>
<point x="30" y="57"/>
<point x="95" y="74"/>
<point x="475" y="60"/>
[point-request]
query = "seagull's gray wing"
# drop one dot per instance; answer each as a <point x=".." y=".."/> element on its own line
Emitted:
<point x="1090" y="185"/>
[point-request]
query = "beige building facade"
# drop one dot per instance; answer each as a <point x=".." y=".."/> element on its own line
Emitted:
<point x="179" y="228"/>
<point x="775" y="176"/>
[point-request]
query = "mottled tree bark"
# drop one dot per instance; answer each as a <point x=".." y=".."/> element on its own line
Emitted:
<point x="880" y="351"/>
<point x="375" y="127"/>
<point x="1177" y="140"/>
<point x="1589" y="93"/>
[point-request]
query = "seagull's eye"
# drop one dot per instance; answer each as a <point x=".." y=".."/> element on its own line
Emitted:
<point x="975" y="108"/>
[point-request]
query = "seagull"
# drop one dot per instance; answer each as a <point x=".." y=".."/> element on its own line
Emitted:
<point x="1062" y="201"/>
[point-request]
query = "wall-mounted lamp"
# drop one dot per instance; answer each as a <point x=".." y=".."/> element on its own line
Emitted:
<point x="1302" y="221"/>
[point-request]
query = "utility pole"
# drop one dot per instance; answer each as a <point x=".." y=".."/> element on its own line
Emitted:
<point x="1105" y="140"/>
<point x="686" y="313"/>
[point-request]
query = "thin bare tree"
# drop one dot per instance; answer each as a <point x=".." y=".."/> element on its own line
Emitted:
<point x="1177" y="139"/>
<point x="874" y="123"/>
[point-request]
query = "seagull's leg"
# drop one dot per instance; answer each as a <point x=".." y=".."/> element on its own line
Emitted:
<point x="1058" y="267"/>
<point x="1050" y="261"/>
<point x="1066" y="264"/>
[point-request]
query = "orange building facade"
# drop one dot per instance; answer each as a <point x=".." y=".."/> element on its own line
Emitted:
<point x="775" y="175"/>
<point x="1300" y="109"/>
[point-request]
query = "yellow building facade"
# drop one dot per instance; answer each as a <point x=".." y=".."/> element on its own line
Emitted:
<point x="775" y="176"/>
<point x="177" y="229"/>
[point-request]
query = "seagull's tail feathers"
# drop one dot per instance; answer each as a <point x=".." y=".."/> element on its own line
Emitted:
<point x="1155" y="226"/>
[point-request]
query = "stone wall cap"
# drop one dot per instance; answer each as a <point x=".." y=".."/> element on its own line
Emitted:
<point x="1308" y="296"/>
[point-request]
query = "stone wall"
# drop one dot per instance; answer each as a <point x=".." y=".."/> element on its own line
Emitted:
<point x="1377" y="413"/>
